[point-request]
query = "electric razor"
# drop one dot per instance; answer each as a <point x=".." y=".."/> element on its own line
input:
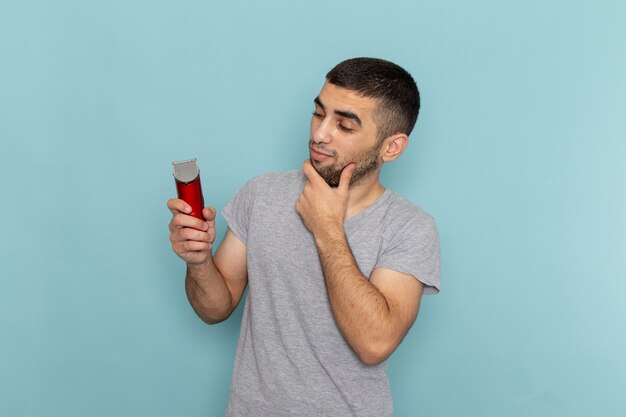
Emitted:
<point x="187" y="176"/>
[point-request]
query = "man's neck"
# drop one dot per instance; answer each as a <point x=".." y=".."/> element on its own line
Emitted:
<point x="363" y="195"/>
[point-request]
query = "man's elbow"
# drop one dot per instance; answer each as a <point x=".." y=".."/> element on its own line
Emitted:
<point x="211" y="315"/>
<point x="212" y="320"/>
<point x="375" y="353"/>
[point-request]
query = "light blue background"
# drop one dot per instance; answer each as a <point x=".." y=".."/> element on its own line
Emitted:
<point x="518" y="153"/>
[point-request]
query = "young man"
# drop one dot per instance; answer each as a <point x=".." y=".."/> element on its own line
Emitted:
<point x="336" y="263"/>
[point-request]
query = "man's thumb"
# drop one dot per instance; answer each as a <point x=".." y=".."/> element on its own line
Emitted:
<point x="346" y="176"/>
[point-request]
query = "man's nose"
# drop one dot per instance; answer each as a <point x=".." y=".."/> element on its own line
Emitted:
<point x="321" y="133"/>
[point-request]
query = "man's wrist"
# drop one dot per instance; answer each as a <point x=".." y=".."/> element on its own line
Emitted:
<point x="198" y="270"/>
<point x="331" y="233"/>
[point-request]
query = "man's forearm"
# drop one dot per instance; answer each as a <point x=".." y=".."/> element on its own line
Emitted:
<point x="360" y="310"/>
<point x="208" y="293"/>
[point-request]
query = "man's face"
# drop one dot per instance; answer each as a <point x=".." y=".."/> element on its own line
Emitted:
<point x="343" y="131"/>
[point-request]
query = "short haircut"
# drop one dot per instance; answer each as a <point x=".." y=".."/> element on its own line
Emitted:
<point x="399" y="99"/>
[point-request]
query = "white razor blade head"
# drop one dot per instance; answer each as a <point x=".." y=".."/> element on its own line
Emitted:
<point x="186" y="171"/>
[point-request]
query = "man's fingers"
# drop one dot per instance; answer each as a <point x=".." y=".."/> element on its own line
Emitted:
<point x="183" y="220"/>
<point x="193" y="234"/>
<point x="176" y="205"/>
<point x="346" y="175"/>
<point x="191" y="246"/>
<point x="310" y="172"/>
<point x="209" y="213"/>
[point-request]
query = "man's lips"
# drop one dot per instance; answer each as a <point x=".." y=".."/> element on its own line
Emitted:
<point x="319" y="156"/>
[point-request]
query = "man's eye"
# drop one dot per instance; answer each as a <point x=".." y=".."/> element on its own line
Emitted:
<point x="318" y="115"/>
<point x="345" y="128"/>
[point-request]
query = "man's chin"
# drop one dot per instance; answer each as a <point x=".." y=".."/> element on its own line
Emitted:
<point x="330" y="174"/>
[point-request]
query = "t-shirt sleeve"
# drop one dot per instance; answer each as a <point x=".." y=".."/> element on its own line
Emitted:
<point x="413" y="249"/>
<point x="239" y="209"/>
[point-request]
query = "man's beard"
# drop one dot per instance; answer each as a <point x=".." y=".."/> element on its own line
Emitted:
<point x="366" y="164"/>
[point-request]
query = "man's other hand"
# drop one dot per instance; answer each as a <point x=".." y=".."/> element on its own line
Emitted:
<point x="192" y="239"/>
<point x="321" y="206"/>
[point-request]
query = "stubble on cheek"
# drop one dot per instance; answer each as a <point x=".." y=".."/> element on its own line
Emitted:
<point x="367" y="162"/>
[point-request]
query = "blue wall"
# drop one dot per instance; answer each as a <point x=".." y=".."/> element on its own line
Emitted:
<point x="519" y="154"/>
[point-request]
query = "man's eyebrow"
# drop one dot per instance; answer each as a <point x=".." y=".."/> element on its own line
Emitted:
<point x="349" y="115"/>
<point x="342" y="113"/>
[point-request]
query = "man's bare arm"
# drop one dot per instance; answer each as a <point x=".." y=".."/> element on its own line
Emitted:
<point x="373" y="315"/>
<point x="214" y="283"/>
<point x="214" y="289"/>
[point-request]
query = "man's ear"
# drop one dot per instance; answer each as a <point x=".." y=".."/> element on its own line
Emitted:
<point x="393" y="146"/>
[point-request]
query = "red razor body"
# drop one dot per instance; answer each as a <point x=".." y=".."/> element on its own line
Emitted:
<point x="187" y="176"/>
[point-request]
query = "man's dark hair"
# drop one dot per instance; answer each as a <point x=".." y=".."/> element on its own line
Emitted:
<point x="399" y="98"/>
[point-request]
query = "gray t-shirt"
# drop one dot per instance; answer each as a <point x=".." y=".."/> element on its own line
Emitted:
<point x="292" y="359"/>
